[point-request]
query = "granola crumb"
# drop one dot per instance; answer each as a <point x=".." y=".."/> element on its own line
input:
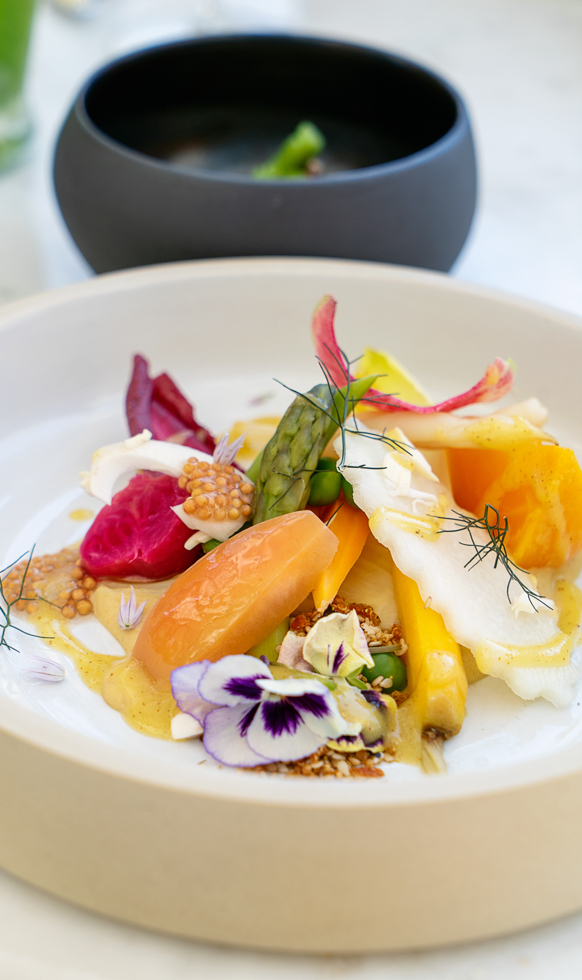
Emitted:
<point x="368" y="618"/>
<point x="330" y="762"/>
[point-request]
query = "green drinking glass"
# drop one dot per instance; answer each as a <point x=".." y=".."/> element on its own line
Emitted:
<point x="15" y="24"/>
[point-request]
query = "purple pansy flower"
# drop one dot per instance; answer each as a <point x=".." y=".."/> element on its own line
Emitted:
<point x="249" y="718"/>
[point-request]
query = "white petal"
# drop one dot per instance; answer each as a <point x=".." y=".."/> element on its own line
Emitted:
<point x="43" y="669"/>
<point x="184" y="681"/>
<point x="293" y="742"/>
<point x="290" y="687"/>
<point x="339" y="631"/>
<point x="328" y="722"/>
<point x="229" y="681"/>
<point x="185" y="726"/>
<point x="225" y="452"/>
<point x="225" y="741"/>
<point x="221" y="530"/>
<point x="555" y="684"/>
<point x="141" y="452"/>
<point x="291" y="652"/>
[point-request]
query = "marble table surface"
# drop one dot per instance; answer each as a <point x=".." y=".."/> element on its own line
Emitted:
<point x="519" y="65"/>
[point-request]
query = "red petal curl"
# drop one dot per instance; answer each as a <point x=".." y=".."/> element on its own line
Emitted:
<point x="495" y="383"/>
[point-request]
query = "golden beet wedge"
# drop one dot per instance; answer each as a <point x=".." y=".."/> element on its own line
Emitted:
<point x="235" y="596"/>
<point x="436" y="676"/>
<point x="539" y="490"/>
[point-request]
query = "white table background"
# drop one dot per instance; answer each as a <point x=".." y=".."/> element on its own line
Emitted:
<point x="519" y="65"/>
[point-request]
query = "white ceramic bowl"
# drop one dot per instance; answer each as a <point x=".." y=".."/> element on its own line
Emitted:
<point x="135" y="828"/>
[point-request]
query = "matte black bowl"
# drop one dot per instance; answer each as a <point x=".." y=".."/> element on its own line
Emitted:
<point x="153" y="162"/>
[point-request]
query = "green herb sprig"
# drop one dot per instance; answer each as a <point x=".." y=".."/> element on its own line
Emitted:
<point x="6" y="607"/>
<point x="496" y="528"/>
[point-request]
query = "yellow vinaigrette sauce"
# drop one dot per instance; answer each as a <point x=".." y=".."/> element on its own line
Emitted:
<point x="125" y="685"/>
<point x="147" y="705"/>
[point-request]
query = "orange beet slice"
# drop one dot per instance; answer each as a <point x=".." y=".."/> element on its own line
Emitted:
<point x="235" y="596"/>
<point x="538" y="488"/>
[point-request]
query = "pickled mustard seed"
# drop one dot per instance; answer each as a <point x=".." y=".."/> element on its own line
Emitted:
<point x="27" y="582"/>
<point x="218" y="492"/>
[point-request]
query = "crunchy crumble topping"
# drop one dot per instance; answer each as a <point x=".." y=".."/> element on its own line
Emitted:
<point x="368" y="618"/>
<point x="328" y="762"/>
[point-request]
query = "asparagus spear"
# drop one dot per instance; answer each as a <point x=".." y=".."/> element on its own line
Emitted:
<point x="283" y="473"/>
<point x="292" y="157"/>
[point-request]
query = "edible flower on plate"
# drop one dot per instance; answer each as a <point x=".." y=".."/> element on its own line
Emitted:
<point x="326" y="609"/>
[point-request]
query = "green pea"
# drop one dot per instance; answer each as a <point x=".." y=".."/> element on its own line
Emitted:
<point x="387" y="665"/>
<point x="327" y="463"/>
<point x="348" y="491"/>
<point x="210" y="545"/>
<point x="324" y="488"/>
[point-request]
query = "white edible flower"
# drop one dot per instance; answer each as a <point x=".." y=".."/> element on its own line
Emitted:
<point x="291" y="652"/>
<point x="43" y="669"/>
<point x="250" y="719"/>
<point x="129" y="612"/>
<point x="337" y="645"/>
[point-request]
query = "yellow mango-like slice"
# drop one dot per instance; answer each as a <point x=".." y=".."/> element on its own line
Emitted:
<point x="539" y="490"/>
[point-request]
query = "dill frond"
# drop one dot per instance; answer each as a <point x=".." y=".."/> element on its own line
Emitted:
<point x="496" y="528"/>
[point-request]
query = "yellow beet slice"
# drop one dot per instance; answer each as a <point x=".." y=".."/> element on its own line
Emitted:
<point x="436" y="677"/>
<point x="238" y="594"/>
<point x="538" y="489"/>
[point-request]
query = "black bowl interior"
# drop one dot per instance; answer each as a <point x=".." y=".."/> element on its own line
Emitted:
<point x="224" y="104"/>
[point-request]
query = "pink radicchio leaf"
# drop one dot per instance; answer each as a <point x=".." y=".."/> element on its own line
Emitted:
<point x="495" y="383"/>
<point x="138" y="399"/>
<point x="158" y="404"/>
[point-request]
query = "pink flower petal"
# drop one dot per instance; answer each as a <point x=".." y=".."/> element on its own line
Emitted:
<point x="495" y="383"/>
<point x="224" y="736"/>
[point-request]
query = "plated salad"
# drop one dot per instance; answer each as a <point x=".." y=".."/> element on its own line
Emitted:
<point x="313" y="594"/>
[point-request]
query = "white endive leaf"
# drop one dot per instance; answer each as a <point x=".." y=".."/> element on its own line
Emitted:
<point x="220" y="530"/>
<point x="141" y="452"/>
<point x="473" y="602"/>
